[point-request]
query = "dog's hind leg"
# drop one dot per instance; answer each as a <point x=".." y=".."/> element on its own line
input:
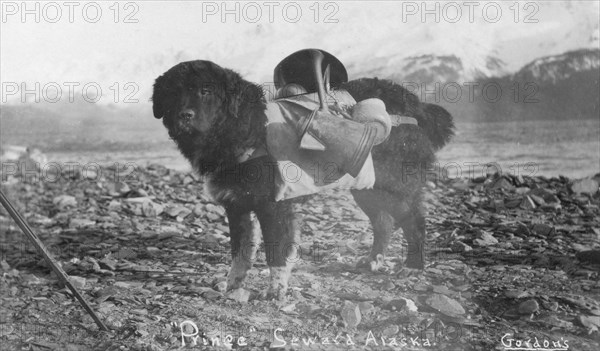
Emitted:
<point x="280" y="235"/>
<point x="388" y="211"/>
<point x="377" y="205"/>
<point x="245" y="235"/>
<point x="413" y="226"/>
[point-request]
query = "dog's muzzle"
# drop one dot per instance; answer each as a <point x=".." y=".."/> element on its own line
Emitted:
<point x="187" y="114"/>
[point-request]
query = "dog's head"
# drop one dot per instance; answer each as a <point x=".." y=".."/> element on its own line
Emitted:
<point x="193" y="96"/>
<point x="208" y="110"/>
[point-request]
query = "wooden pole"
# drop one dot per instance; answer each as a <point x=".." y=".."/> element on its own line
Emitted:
<point x="62" y="275"/>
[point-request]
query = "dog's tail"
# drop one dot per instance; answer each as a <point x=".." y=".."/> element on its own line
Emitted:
<point x="435" y="121"/>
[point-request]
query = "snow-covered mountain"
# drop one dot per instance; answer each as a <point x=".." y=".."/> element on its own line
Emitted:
<point x="554" y="42"/>
<point x="372" y="42"/>
<point x="431" y="68"/>
<point x="370" y="38"/>
<point x="553" y="69"/>
<point x="565" y="86"/>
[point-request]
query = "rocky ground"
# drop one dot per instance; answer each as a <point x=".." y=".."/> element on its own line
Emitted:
<point x="510" y="259"/>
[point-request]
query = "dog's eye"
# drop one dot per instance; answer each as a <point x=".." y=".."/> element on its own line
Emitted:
<point x="205" y="91"/>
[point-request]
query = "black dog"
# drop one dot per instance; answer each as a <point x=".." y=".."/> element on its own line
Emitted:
<point x="214" y="116"/>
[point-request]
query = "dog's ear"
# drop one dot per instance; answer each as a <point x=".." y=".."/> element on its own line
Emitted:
<point x="157" y="110"/>
<point x="239" y="93"/>
<point x="157" y="100"/>
<point x="233" y="94"/>
<point x="234" y="100"/>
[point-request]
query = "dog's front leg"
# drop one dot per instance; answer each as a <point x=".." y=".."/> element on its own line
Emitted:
<point x="244" y="231"/>
<point x="280" y="235"/>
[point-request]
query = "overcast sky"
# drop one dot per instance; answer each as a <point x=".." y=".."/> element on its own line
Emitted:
<point x="60" y="43"/>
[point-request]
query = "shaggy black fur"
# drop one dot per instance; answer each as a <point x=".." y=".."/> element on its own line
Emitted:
<point x="434" y="120"/>
<point x="401" y="164"/>
<point x="235" y="122"/>
<point x="214" y="115"/>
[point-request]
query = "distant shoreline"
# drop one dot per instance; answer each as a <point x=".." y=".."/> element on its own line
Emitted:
<point x="568" y="148"/>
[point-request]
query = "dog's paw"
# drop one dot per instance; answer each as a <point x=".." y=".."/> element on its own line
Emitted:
<point x="233" y="283"/>
<point x="375" y="264"/>
<point x="413" y="266"/>
<point x="414" y="262"/>
<point x="273" y="294"/>
<point x="278" y="284"/>
<point x="406" y="272"/>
